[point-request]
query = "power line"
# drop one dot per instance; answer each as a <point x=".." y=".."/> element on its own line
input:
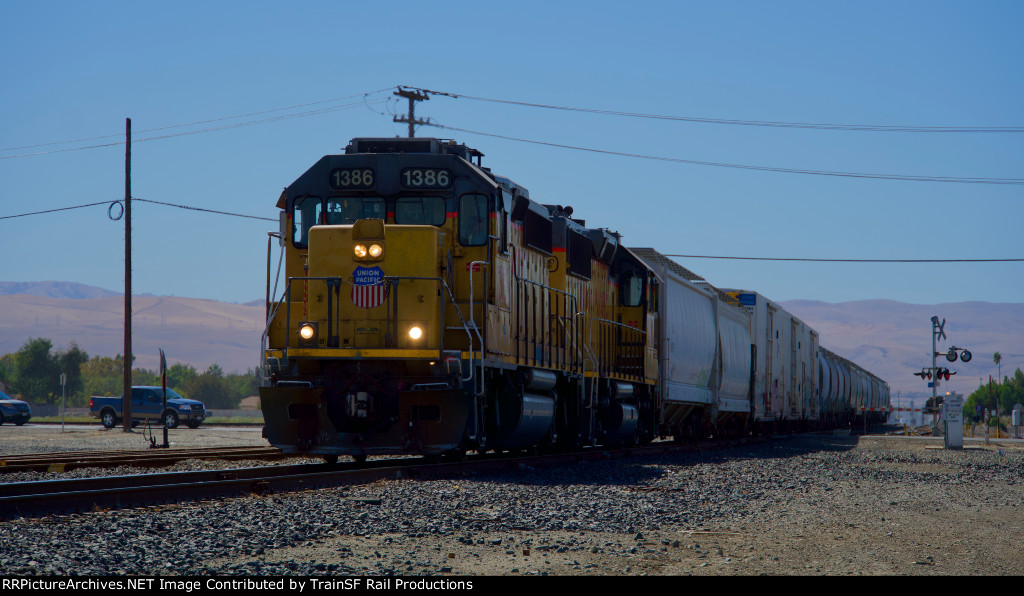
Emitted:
<point x="906" y="177"/>
<point x="58" y="209"/>
<point x="202" y="209"/>
<point x="191" y="208"/>
<point x="852" y="260"/>
<point x="204" y="130"/>
<point x="769" y="123"/>
<point x="111" y="204"/>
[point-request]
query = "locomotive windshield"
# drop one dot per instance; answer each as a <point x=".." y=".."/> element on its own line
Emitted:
<point x="420" y="211"/>
<point x="348" y="210"/>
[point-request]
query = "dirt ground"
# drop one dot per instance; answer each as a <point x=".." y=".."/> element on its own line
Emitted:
<point x="907" y="507"/>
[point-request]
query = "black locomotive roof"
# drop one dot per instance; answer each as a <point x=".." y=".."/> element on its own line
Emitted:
<point x="411" y="145"/>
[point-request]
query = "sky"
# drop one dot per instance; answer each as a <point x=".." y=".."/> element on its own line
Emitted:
<point x="232" y="101"/>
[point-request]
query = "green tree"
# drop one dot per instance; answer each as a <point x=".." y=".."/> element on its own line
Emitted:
<point x="104" y="376"/>
<point x="70" y="362"/>
<point x="7" y="365"/>
<point x="1011" y="392"/>
<point x="36" y="372"/>
<point x="246" y="384"/>
<point x="212" y="390"/>
<point x="180" y="375"/>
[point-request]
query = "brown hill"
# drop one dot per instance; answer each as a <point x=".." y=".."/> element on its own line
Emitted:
<point x="190" y="330"/>
<point x="891" y="339"/>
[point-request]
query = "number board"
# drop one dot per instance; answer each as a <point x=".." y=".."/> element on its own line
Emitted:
<point x="426" y="178"/>
<point x="345" y="178"/>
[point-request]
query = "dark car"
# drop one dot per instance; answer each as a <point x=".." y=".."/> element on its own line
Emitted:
<point x="15" y="410"/>
<point x="147" y="404"/>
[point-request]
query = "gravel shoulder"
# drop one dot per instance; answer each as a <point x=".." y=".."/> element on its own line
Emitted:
<point x="801" y="505"/>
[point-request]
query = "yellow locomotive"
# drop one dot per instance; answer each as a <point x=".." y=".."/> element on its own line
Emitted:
<point x="431" y="306"/>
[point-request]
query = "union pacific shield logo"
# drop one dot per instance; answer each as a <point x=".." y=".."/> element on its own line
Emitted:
<point x="368" y="289"/>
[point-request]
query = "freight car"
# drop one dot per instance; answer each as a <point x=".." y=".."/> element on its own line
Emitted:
<point x="431" y="306"/>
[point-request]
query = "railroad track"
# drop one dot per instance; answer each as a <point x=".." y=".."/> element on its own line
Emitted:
<point x="32" y="499"/>
<point x="64" y="461"/>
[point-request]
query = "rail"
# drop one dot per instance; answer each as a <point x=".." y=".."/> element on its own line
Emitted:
<point x="620" y="348"/>
<point x="536" y="343"/>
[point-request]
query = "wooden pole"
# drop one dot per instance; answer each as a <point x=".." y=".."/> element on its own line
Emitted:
<point x="126" y="403"/>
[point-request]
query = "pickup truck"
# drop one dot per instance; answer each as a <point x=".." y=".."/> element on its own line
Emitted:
<point x="147" y="404"/>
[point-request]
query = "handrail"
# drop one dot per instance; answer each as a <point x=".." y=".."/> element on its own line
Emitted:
<point x="615" y="348"/>
<point x="475" y="330"/>
<point x="571" y="298"/>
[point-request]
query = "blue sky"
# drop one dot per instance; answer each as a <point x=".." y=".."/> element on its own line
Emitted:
<point x="76" y="70"/>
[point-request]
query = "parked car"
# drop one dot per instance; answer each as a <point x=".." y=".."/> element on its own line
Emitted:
<point x="147" y="405"/>
<point x="15" y="410"/>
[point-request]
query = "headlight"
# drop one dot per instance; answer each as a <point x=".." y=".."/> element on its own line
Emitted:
<point x="307" y="331"/>
<point x="415" y="333"/>
<point x="376" y="250"/>
<point x="360" y="250"/>
<point x="185" y="408"/>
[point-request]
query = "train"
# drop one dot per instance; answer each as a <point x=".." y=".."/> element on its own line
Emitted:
<point x="430" y="306"/>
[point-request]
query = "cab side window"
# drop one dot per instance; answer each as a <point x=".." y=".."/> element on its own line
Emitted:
<point x="306" y="214"/>
<point x="473" y="219"/>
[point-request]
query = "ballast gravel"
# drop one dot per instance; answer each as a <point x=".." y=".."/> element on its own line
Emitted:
<point x="799" y="505"/>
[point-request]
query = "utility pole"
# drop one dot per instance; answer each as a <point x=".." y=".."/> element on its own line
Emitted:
<point x="413" y="97"/>
<point x="126" y="398"/>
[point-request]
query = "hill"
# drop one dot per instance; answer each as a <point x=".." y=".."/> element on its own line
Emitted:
<point x="891" y="339"/>
<point x="190" y="330"/>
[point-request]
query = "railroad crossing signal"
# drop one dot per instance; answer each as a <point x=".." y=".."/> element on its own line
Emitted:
<point x="964" y="354"/>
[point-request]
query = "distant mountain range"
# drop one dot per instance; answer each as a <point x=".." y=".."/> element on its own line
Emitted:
<point x="891" y="339"/>
<point x="190" y="330"/>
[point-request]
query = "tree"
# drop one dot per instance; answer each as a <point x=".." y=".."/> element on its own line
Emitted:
<point x="70" y="362"/>
<point x="36" y="372"/>
<point x="7" y="365"/>
<point x="244" y="385"/>
<point x="212" y="390"/>
<point x="1012" y="391"/>
<point x="104" y="376"/>
<point x="180" y="375"/>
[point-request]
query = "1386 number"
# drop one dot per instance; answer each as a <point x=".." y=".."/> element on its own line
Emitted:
<point x="351" y="178"/>
<point x="426" y="177"/>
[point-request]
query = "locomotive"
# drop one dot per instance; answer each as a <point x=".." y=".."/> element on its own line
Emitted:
<point x="431" y="306"/>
